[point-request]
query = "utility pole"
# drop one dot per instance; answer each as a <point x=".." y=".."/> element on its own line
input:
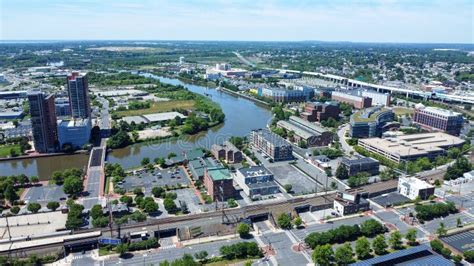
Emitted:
<point x="8" y="229"/>
<point x="109" y="207"/>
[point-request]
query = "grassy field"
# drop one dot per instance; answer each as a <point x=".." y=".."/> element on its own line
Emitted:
<point x="5" y="150"/>
<point x="159" y="107"/>
<point x="403" y="111"/>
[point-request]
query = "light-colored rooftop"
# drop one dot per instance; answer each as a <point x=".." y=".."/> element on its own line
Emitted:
<point x="157" y="117"/>
<point x="32" y="224"/>
<point x="414" y="144"/>
<point x="438" y="111"/>
<point x="415" y="182"/>
<point x="218" y="173"/>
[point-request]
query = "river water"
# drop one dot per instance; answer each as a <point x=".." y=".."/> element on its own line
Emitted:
<point x="241" y="116"/>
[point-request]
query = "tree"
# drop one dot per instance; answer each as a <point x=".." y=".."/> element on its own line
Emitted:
<point x="157" y="192"/>
<point x="15" y="209"/>
<point x="371" y="228"/>
<point x="122" y="249"/>
<point x="151" y="207"/>
<point x="126" y="200"/>
<point x="343" y="255"/>
<point x="201" y="256"/>
<point x="96" y="211"/>
<point x="284" y="221"/>
<point x="379" y="245"/>
<point x="243" y="230"/>
<point x="232" y="203"/>
<point x="469" y="255"/>
<point x="170" y="206"/>
<point x="411" y="237"/>
<point x="52" y="205"/>
<point x="323" y="255"/>
<point x="145" y="161"/>
<point x="119" y="140"/>
<point x="101" y="221"/>
<point x="395" y="240"/>
<point x="297" y="222"/>
<point x="441" y="231"/>
<point x="10" y="193"/>
<point x="73" y="186"/>
<point x="34" y="179"/>
<point x="288" y="188"/>
<point x="458" y="222"/>
<point x="341" y="172"/>
<point x="160" y="161"/>
<point x="362" y="248"/>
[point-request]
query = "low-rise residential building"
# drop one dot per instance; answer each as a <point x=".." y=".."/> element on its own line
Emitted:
<point x="317" y="112"/>
<point x="75" y="132"/>
<point x="218" y="182"/>
<point x="412" y="188"/>
<point x="310" y="133"/>
<point x="437" y="119"/>
<point x="411" y="147"/>
<point x="360" y="165"/>
<point x="227" y="152"/>
<point x="271" y="144"/>
<point x="256" y="181"/>
<point x="371" y="122"/>
<point x="358" y="102"/>
<point x="347" y="204"/>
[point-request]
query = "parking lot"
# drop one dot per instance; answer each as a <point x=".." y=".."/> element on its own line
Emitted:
<point x="462" y="241"/>
<point x="45" y="194"/>
<point x="463" y="201"/>
<point x="156" y="178"/>
<point x="393" y="218"/>
<point x="285" y="173"/>
<point x="449" y="221"/>
<point x="189" y="196"/>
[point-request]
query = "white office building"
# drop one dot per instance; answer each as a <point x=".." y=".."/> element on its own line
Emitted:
<point x="412" y="188"/>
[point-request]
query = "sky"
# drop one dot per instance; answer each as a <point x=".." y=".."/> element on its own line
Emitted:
<point x="412" y="21"/>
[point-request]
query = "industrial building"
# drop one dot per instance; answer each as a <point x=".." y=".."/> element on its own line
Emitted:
<point x="271" y="144"/>
<point x="437" y="119"/>
<point x="411" y="147"/>
<point x="412" y="188"/>
<point x="371" y="122"/>
<point x="43" y="121"/>
<point x="75" y="132"/>
<point x="227" y="152"/>
<point x="218" y="182"/>
<point x="361" y="164"/>
<point x="256" y="181"/>
<point x="310" y="133"/>
<point x="358" y="102"/>
<point x="317" y="112"/>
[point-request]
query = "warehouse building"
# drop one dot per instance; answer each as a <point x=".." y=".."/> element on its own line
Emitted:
<point x="310" y="133"/>
<point x="411" y="147"/>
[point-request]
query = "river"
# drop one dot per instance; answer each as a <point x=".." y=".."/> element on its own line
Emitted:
<point x="241" y="116"/>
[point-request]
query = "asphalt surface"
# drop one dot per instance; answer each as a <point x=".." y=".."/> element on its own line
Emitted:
<point x="462" y="242"/>
<point x="172" y="253"/>
<point x="157" y="178"/>
<point x="45" y="194"/>
<point x="282" y="245"/>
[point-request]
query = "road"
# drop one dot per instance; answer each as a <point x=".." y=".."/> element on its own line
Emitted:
<point x="244" y="60"/>
<point x="341" y="133"/>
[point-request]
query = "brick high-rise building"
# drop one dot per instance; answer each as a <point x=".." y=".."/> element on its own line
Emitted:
<point x="434" y="119"/>
<point x="43" y="121"/>
<point x="78" y="91"/>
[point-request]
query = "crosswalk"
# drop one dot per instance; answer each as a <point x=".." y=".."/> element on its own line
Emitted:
<point x="167" y="247"/>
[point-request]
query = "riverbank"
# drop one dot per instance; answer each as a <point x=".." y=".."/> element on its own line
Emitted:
<point x="248" y="97"/>
<point x="42" y="155"/>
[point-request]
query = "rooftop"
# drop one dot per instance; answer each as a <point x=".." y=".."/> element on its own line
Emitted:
<point x="436" y="110"/>
<point x="419" y="255"/>
<point x="414" y="144"/>
<point x="414" y="182"/>
<point x="254" y="171"/>
<point x="218" y="173"/>
<point x="368" y="114"/>
<point x="359" y="160"/>
<point x="271" y="137"/>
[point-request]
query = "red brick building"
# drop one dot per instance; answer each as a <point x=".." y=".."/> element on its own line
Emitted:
<point x="317" y="112"/>
<point x="218" y="183"/>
